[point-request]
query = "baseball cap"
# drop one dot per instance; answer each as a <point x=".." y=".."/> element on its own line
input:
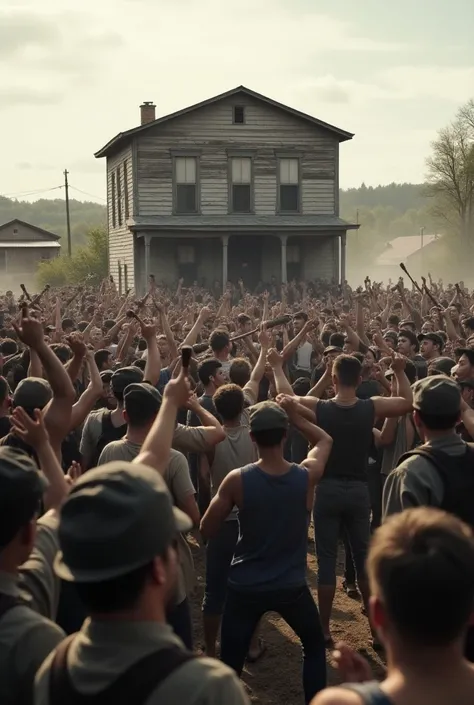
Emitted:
<point x="125" y="376"/>
<point x="333" y="349"/>
<point x="116" y="519"/>
<point x="434" y="337"/>
<point x="21" y="489"/>
<point x="32" y="393"/>
<point x="437" y="395"/>
<point x="267" y="416"/>
<point x="442" y="364"/>
<point x="391" y="334"/>
<point x="141" y="397"/>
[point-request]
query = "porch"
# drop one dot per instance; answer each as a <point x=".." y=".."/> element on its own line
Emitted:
<point x="223" y="258"/>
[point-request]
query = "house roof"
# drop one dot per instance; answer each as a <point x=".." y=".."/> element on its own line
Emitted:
<point x="33" y="243"/>
<point x="119" y="139"/>
<point x="45" y="233"/>
<point x="249" y="223"/>
<point x="400" y="248"/>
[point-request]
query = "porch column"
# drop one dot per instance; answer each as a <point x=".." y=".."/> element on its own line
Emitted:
<point x="343" y="258"/>
<point x="283" y="239"/>
<point x="225" y="243"/>
<point x="147" y="261"/>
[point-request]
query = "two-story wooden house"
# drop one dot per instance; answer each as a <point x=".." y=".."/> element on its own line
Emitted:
<point x="236" y="186"/>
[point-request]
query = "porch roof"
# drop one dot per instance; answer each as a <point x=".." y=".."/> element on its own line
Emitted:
<point x="250" y="223"/>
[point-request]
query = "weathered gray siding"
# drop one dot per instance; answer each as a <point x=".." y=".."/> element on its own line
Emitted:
<point x="17" y="232"/>
<point x="267" y="131"/>
<point x="320" y="258"/>
<point x="120" y="237"/>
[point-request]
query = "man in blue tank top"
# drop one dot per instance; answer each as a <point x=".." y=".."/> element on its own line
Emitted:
<point x="268" y="572"/>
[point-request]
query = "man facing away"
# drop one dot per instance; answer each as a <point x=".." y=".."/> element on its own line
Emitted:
<point x="268" y="571"/>
<point x="117" y="535"/>
<point x="421" y="572"/>
<point x="342" y="499"/>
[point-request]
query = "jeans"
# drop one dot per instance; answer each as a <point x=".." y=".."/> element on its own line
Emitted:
<point x="219" y="554"/>
<point x="341" y="504"/>
<point x="179" y="618"/>
<point x="242" y="613"/>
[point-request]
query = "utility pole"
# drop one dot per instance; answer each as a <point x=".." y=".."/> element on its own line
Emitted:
<point x="68" y="217"/>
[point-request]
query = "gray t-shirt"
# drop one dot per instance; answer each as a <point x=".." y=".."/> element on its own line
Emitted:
<point x="416" y="482"/>
<point x="179" y="483"/>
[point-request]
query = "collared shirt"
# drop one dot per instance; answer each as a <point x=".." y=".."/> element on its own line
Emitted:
<point x="103" y="650"/>
<point x="27" y="634"/>
<point x="416" y="482"/>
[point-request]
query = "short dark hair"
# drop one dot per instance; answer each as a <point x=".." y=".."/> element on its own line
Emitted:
<point x="8" y="347"/>
<point x="301" y="315"/>
<point x="82" y="325"/>
<point x="393" y="319"/>
<point x="419" y="558"/>
<point x="439" y="422"/>
<point x="114" y="595"/>
<point x="469" y="323"/>
<point x="301" y="386"/>
<point x="141" y="364"/>
<point x="62" y="352"/>
<point x="240" y="371"/>
<point x="141" y="412"/>
<point x="219" y="340"/>
<point x="337" y="340"/>
<point x="269" y="438"/>
<point x="67" y="323"/>
<point x="208" y="369"/>
<point x="409" y="335"/>
<point x="101" y="357"/>
<point x="348" y="370"/>
<point x="229" y="402"/>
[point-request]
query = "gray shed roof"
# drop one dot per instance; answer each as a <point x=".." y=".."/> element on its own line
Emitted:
<point x="240" y="222"/>
<point x="122" y="137"/>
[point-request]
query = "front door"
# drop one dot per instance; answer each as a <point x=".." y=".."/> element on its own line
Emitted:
<point x="244" y="259"/>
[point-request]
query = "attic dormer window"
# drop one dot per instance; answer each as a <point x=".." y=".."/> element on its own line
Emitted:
<point x="239" y="115"/>
<point x="15" y="231"/>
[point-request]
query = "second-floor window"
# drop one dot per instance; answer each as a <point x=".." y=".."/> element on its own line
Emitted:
<point x="241" y="185"/>
<point x="289" y="185"/>
<point x="186" y="200"/>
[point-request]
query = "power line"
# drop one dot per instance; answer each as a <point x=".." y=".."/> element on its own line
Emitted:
<point x="85" y="193"/>
<point x="30" y="193"/>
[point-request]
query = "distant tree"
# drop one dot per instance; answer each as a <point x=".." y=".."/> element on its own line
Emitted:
<point x="451" y="174"/>
<point x="88" y="264"/>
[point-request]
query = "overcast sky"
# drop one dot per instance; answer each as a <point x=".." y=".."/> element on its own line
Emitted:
<point x="72" y="75"/>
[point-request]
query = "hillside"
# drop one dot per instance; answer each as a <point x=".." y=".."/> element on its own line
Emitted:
<point x="51" y="215"/>
<point x="384" y="212"/>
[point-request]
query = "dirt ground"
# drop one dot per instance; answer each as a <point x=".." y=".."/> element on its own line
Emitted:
<point x="276" y="678"/>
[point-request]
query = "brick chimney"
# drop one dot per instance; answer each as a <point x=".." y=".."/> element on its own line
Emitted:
<point x="147" y="112"/>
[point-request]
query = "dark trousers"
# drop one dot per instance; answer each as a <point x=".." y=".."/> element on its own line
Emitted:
<point x="242" y="613"/>
<point x="219" y="554"/>
<point x="341" y="506"/>
<point x="179" y="618"/>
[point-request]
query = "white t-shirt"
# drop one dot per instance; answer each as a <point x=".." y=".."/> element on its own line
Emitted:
<point x="303" y="356"/>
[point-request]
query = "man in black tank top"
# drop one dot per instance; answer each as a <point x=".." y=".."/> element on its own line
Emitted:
<point x="342" y="498"/>
<point x="421" y="573"/>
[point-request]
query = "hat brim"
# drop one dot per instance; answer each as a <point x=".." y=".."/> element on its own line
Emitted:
<point x="63" y="571"/>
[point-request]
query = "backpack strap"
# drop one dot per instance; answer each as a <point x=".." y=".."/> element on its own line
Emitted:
<point x="437" y="457"/>
<point x="133" y="686"/>
<point x="371" y="693"/>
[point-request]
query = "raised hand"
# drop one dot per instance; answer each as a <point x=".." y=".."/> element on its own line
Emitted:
<point x="274" y="358"/>
<point x="30" y="430"/>
<point x="29" y="330"/>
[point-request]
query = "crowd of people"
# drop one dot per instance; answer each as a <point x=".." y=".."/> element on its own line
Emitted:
<point x="130" y="425"/>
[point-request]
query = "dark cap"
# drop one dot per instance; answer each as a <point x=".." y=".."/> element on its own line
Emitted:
<point x="410" y="335"/>
<point x="32" y="393"/>
<point x="21" y="490"/>
<point x="267" y="416"/>
<point x="123" y="377"/>
<point x="333" y="349"/>
<point x="116" y="519"/>
<point x="434" y="337"/>
<point x="142" y="396"/>
<point x="442" y="364"/>
<point x="437" y="395"/>
<point x="468" y="352"/>
<point x="391" y="334"/>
